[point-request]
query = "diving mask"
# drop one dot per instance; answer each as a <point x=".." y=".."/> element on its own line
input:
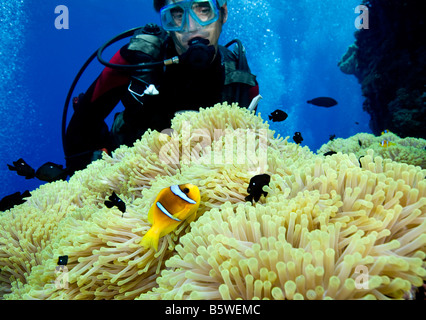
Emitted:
<point x="175" y="16"/>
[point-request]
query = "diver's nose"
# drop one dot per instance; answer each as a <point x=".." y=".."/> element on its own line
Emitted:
<point x="192" y="25"/>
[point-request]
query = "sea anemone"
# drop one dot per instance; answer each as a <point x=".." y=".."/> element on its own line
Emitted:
<point x="334" y="231"/>
<point x="406" y="150"/>
<point x="330" y="227"/>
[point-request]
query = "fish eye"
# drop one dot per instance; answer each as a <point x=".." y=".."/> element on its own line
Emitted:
<point x="186" y="190"/>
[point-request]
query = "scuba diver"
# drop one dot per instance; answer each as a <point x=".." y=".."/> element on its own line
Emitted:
<point x="194" y="71"/>
<point x="161" y="71"/>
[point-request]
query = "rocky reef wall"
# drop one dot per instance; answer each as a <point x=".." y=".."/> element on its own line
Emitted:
<point x="389" y="60"/>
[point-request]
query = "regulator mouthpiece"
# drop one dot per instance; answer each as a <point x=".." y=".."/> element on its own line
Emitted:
<point x="199" y="54"/>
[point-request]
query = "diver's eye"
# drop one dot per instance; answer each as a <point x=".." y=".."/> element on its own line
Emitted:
<point x="203" y="10"/>
<point x="186" y="190"/>
<point x="177" y="15"/>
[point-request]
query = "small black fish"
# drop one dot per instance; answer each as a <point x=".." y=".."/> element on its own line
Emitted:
<point x="356" y="122"/>
<point x="22" y="168"/>
<point x="255" y="187"/>
<point x="360" y="143"/>
<point x="329" y="153"/>
<point x="325" y="102"/>
<point x="332" y="136"/>
<point x="51" y="172"/>
<point x="297" y="137"/>
<point x="278" y="115"/>
<point x="114" y="200"/>
<point x="62" y="260"/>
<point x="13" y="199"/>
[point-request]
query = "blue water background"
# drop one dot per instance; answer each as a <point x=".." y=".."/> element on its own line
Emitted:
<point x="292" y="46"/>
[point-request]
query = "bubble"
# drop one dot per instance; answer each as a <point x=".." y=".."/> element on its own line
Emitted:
<point x="16" y="108"/>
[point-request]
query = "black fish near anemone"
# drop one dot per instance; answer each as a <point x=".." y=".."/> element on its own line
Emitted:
<point x="297" y="137"/>
<point x="22" y="169"/>
<point x="50" y="172"/>
<point x="62" y="260"/>
<point x="14" y="199"/>
<point x="255" y="188"/>
<point x="278" y="116"/>
<point x="114" y="200"/>
<point x="324" y="102"/>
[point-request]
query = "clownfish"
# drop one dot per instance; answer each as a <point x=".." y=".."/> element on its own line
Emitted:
<point x="385" y="131"/>
<point x="386" y="143"/>
<point x="171" y="207"/>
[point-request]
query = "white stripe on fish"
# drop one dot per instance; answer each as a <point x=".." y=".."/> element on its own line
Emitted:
<point x="164" y="210"/>
<point x="176" y="190"/>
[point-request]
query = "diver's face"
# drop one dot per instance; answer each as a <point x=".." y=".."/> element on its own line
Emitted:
<point x="193" y="30"/>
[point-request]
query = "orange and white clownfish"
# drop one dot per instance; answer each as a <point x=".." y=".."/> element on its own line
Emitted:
<point x="385" y="131"/>
<point x="171" y="207"/>
<point x="386" y="143"/>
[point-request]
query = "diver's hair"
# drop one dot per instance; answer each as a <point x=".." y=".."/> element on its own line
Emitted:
<point x="158" y="4"/>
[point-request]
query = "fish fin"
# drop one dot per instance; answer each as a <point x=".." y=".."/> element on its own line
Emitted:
<point x="109" y="204"/>
<point x="151" y="238"/>
<point x="122" y="207"/>
<point x="11" y="168"/>
<point x="180" y="213"/>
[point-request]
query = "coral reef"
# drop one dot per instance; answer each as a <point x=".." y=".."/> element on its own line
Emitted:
<point x="329" y="227"/>
<point x="406" y="150"/>
<point x="389" y="60"/>
<point x="348" y="64"/>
